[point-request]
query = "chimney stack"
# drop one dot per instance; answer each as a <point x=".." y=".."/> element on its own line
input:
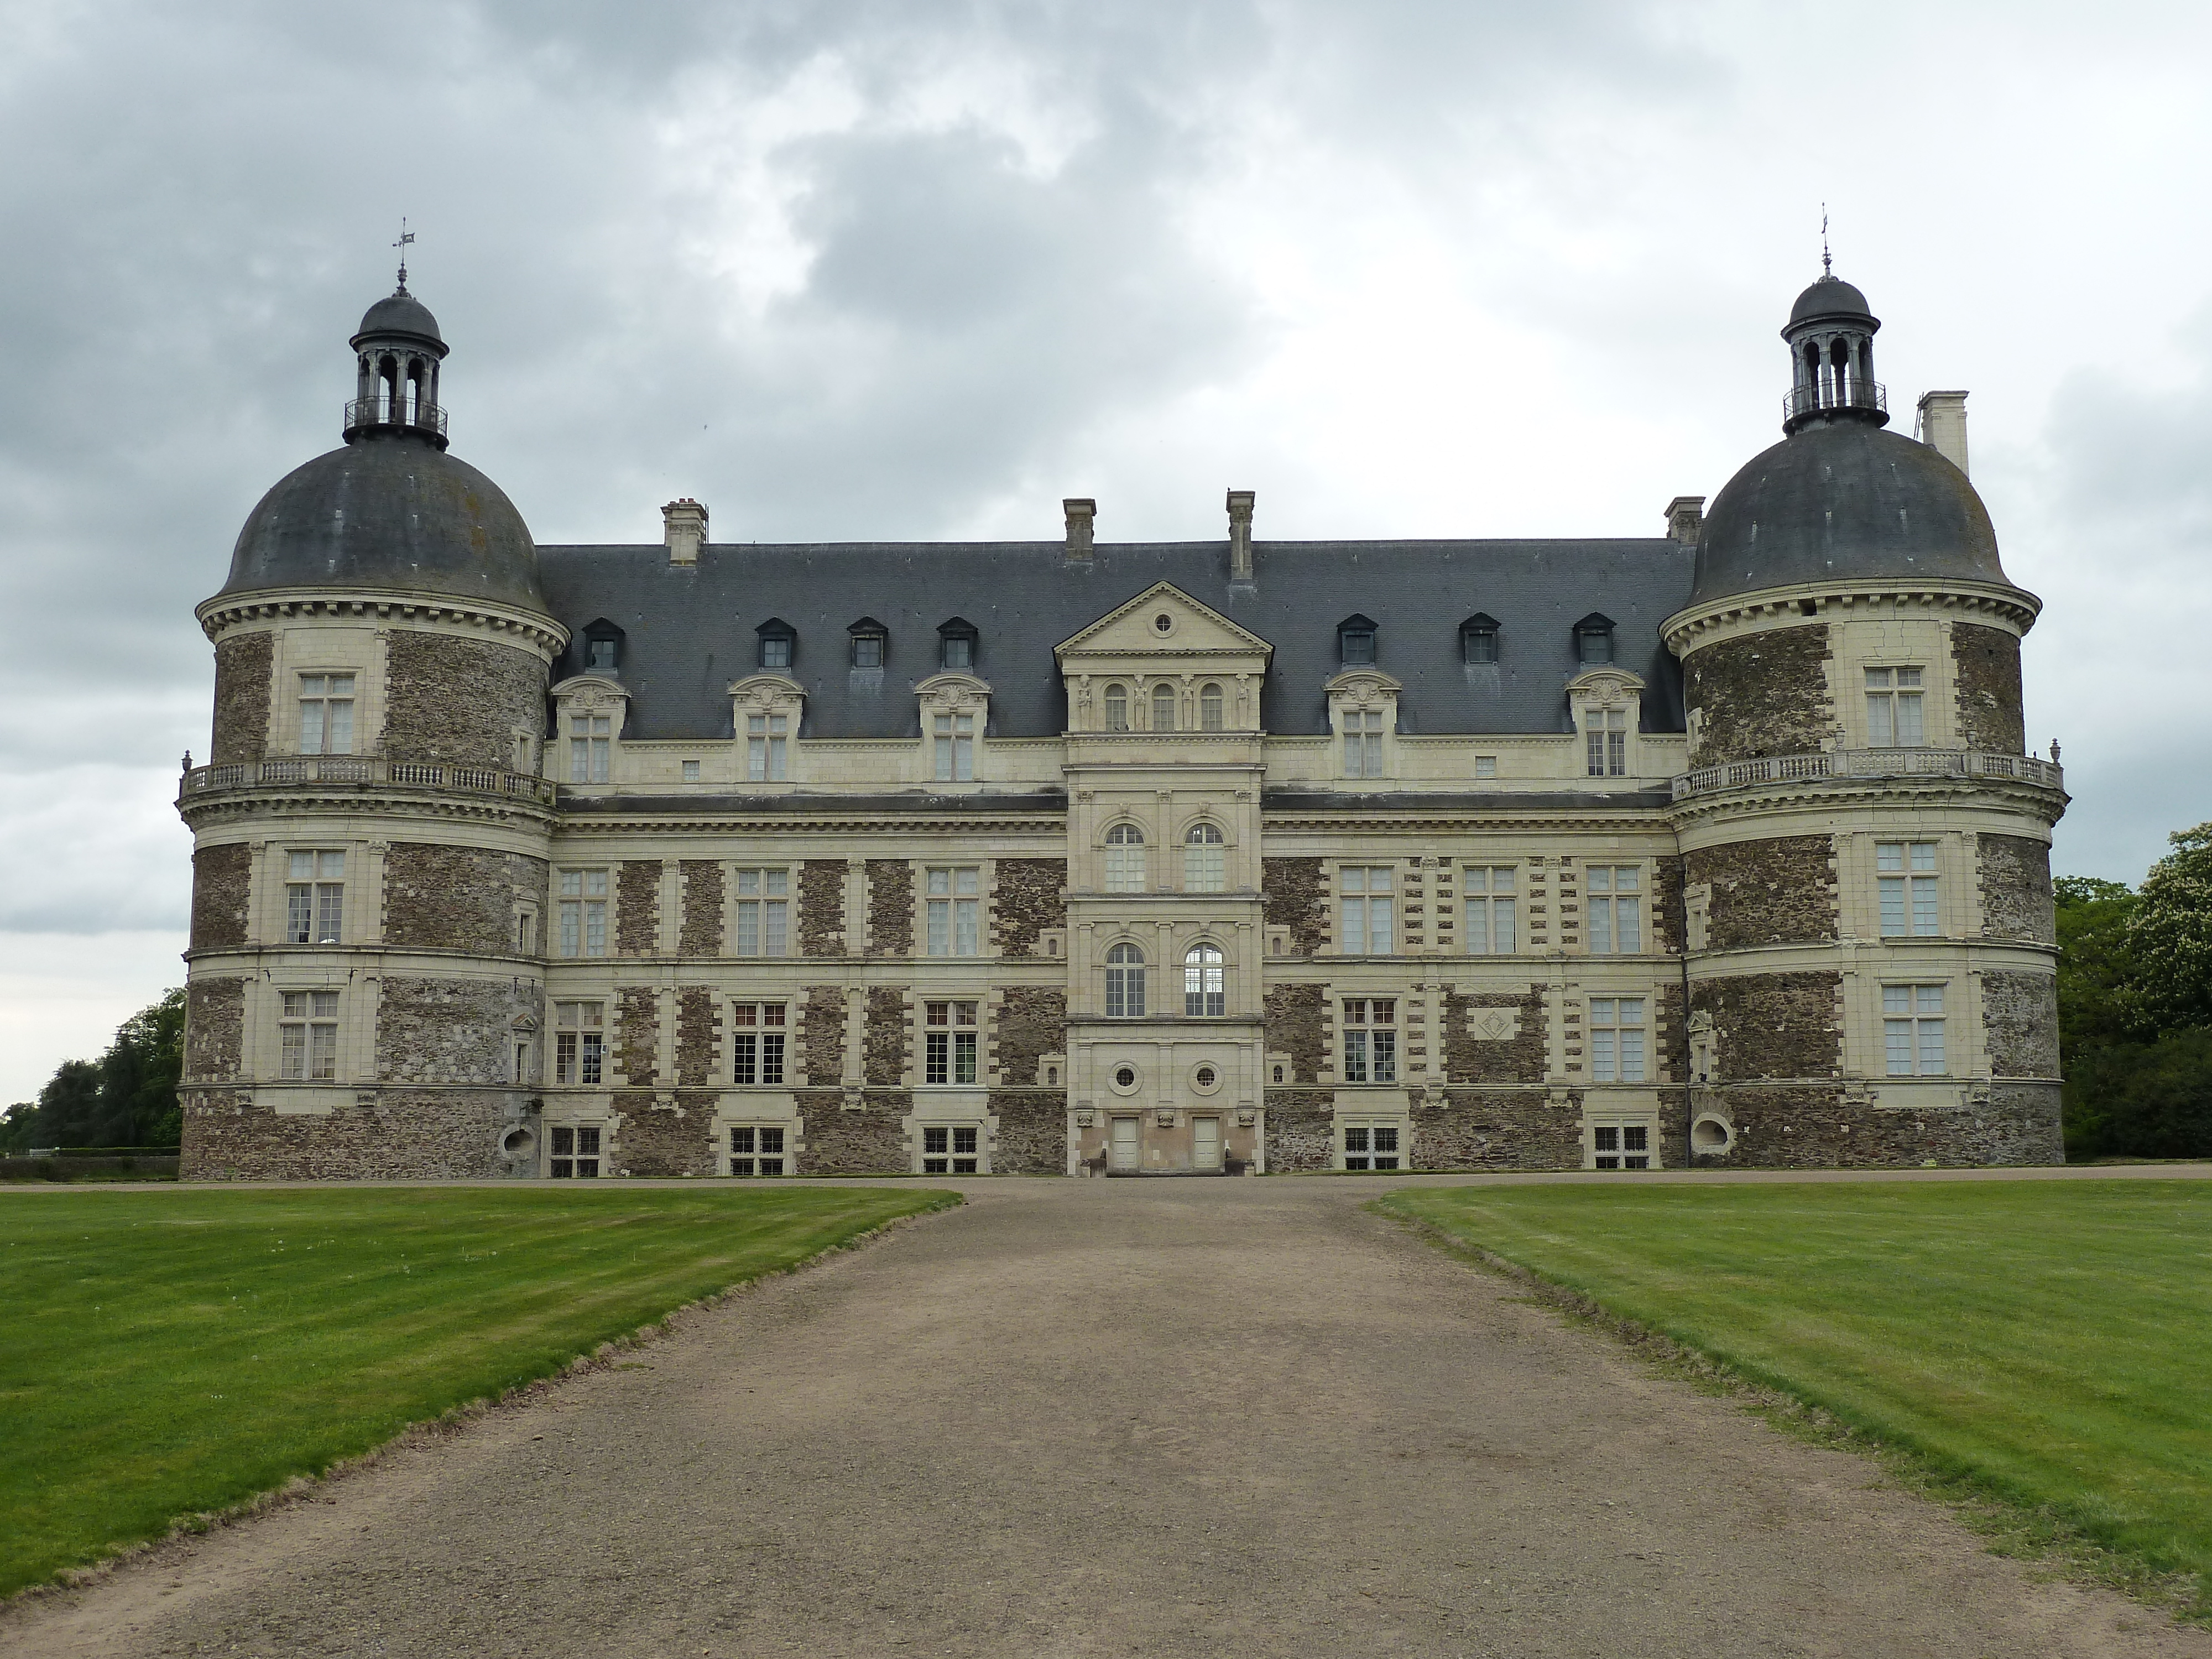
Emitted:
<point x="1081" y="511"/>
<point x="683" y="525"/>
<point x="1686" y="518"/>
<point x="1240" y="535"/>
<point x="1942" y="425"/>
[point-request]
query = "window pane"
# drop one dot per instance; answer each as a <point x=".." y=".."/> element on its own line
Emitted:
<point x="1879" y="731"/>
<point x="1627" y="927"/>
<point x="1892" y="904"/>
<point x="941" y="927"/>
<point x="337" y="737"/>
<point x="1897" y="1039"/>
<point x="1908" y="719"/>
<point x="1923" y="855"/>
<point x="1631" y="1056"/>
<point x="964" y="935"/>
<point x="1378" y="926"/>
<point x="1931" y="1047"/>
<point x="1501" y="927"/>
<point x="1164" y="708"/>
<point x="1897" y="999"/>
<point x="1477" y="925"/>
<point x="772" y="928"/>
<point x="1209" y="708"/>
<point x="311" y="728"/>
<point x="1355" y="926"/>
<point x="1926" y="921"/>
<point x="1889" y="855"/>
<point x="1600" y="926"/>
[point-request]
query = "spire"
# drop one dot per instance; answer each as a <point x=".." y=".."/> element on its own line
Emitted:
<point x="407" y="236"/>
<point x="1831" y="335"/>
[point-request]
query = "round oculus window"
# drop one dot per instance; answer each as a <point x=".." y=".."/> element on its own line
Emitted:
<point x="1165" y="622"/>
<point x="1126" y="1077"/>
<point x="1205" y="1078"/>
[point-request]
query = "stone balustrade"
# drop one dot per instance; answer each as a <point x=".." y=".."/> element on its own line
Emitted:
<point x="1868" y="763"/>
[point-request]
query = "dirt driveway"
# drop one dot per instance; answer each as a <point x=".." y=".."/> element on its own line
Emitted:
<point x="1227" y="1418"/>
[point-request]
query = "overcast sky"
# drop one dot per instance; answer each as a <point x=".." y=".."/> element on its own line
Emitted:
<point x="910" y="270"/>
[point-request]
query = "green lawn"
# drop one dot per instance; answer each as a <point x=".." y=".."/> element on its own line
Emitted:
<point x="2048" y="1343"/>
<point x="164" y="1352"/>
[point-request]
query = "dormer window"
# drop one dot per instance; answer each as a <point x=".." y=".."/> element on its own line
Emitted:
<point x="956" y="645"/>
<point x="779" y="643"/>
<point x="1478" y="639"/>
<point x="870" y="637"/>
<point x="1594" y="641"/>
<point x="1355" y="641"/>
<point x="602" y="648"/>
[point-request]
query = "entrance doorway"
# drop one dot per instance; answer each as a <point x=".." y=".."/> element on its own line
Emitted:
<point x="1206" y="1143"/>
<point x="1125" y="1143"/>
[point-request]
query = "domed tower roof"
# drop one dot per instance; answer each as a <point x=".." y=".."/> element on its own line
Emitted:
<point x="391" y="510"/>
<point x="1831" y="297"/>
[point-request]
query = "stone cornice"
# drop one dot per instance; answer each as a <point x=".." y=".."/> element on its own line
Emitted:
<point x="219" y="615"/>
<point x="202" y="812"/>
<point x="1834" y="601"/>
<point x="1826" y="794"/>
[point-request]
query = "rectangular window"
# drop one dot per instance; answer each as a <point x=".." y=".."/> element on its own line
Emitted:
<point x="690" y="771"/>
<point x="1370" y="1039"/>
<point x="1125" y="864"/>
<point x="583" y="912"/>
<point x="867" y="651"/>
<point x="956" y="748"/>
<point x="327" y="713"/>
<point x="757" y="1034"/>
<point x="757" y="1149"/>
<point x="588" y="744"/>
<point x="765" y="736"/>
<point x="954" y="911"/>
<point x="315" y="898"/>
<point x="1205" y="866"/>
<point x="948" y="1150"/>
<point x="764" y="912"/>
<point x="1486" y="766"/>
<point x="1367" y="917"/>
<point x="1905" y="873"/>
<point x="576" y="1152"/>
<point x="949" y="1042"/>
<point x="1370" y="1146"/>
<point x="1616" y="1039"/>
<point x="1362" y="744"/>
<point x="579" y="1043"/>
<point x="1490" y="910"/>
<point x="1605" y="736"/>
<point x="1616" y="909"/>
<point x="1912" y="1030"/>
<point x="310" y="1033"/>
<point x="1621" y="1147"/>
<point x="1893" y="710"/>
<point x="775" y="651"/>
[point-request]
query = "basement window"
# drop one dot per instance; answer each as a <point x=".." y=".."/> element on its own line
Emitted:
<point x="1621" y="1147"/>
<point x="1370" y="1146"/>
<point x="757" y="1149"/>
<point x="948" y="1150"/>
<point x="575" y="1153"/>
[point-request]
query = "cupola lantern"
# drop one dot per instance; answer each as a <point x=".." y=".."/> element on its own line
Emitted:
<point x="1831" y="335"/>
<point x="396" y="353"/>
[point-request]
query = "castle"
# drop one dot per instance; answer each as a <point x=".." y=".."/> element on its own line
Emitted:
<point x="1075" y="857"/>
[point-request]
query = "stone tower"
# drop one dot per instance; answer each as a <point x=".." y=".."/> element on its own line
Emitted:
<point x="1866" y="842"/>
<point x="370" y="840"/>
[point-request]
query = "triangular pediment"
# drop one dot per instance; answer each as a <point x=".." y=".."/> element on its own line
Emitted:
<point x="1134" y="629"/>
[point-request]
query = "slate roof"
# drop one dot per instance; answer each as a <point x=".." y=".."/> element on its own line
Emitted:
<point x="688" y="631"/>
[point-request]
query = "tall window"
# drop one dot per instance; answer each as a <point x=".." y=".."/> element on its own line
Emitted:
<point x="757" y="1149"/>
<point x="327" y="713"/>
<point x="1164" y="708"/>
<point x="1204" y="859"/>
<point x="954" y="900"/>
<point x="310" y="1031"/>
<point x="1370" y="1039"/>
<point x="576" y="1152"/>
<point x="1125" y="859"/>
<point x="1616" y="1039"/>
<point x="1209" y="707"/>
<point x="948" y="1042"/>
<point x="315" y="898"/>
<point x="589" y="738"/>
<point x="1893" y="710"/>
<point x="583" y="912"/>
<point x="1363" y="742"/>
<point x="1365" y="906"/>
<point x="1204" y="988"/>
<point x="757" y="1034"/>
<point x="1125" y="983"/>
<point x="1621" y="1147"/>
<point x="1616" y="909"/>
<point x="1605" y="736"/>
<point x="1490" y="909"/>
<point x="579" y="1043"/>
<point x="948" y="1149"/>
<point x="1370" y="1146"/>
<point x="763" y="907"/>
<point x="956" y="748"/>
<point x="766" y="736"/>
<point x="1912" y="1030"/>
<point x="1117" y="707"/>
<point x="1905" y="870"/>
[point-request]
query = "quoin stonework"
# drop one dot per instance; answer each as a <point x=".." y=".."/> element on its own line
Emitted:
<point x="1083" y="857"/>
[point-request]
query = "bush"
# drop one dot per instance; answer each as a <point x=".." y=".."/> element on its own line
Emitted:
<point x="2141" y="1099"/>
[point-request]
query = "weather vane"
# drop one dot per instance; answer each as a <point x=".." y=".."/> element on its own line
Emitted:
<point x="407" y="236"/>
<point x="1827" y="268"/>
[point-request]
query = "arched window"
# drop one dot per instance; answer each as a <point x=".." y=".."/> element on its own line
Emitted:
<point x="1117" y="707"/>
<point x="1209" y="707"/>
<point x="1125" y="859"/>
<point x="1478" y="639"/>
<point x="1164" y="708"/>
<point x="1204" y="989"/>
<point x="1203" y="859"/>
<point x="1125" y="983"/>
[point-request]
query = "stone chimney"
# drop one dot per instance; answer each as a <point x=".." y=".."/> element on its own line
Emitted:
<point x="683" y="524"/>
<point x="1942" y="425"/>
<point x="1081" y="511"/>
<point x="1240" y="535"/>
<point x="1686" y="518"/>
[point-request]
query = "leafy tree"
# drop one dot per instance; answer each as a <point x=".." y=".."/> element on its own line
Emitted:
<point x="127" y="1098"/>
<point x="2098" y="998"/>
<point x="2171" y="933"/>
<point x="2141" y="1099"/>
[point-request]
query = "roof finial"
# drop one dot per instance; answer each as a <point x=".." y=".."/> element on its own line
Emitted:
<point x="407" y="236"/>
<point x="1827" y="268"/>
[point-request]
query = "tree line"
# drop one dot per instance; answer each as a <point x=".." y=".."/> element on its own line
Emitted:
<point x="127" y="1098"/>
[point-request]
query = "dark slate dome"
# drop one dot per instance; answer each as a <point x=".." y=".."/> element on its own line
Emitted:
<point x="392" y="513"/>
<point x="1845" y="501"/>
<point x="1830" y="296"/>
<point x="399" y="313"/>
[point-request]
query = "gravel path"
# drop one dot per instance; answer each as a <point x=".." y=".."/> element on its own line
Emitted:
<point x="1227" y="1418"/>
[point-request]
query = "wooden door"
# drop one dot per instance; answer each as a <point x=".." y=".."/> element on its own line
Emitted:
<point x="1206" y="1143"/>
<point x="1125" y="1143"/>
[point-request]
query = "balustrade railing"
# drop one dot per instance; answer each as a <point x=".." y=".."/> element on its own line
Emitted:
<point x="371" y="411"/>
<point x="1868" y="763"/>
<point x="366" y="770"/>
<point x="1831" y="393"/>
